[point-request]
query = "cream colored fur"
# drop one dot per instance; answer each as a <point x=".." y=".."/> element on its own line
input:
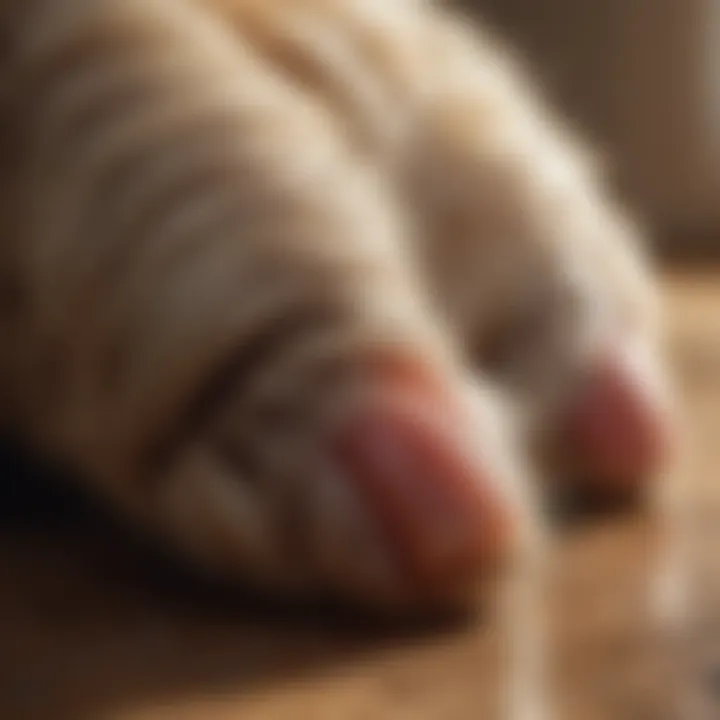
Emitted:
<point x="188" y="177"/>
<point x="183" y="214"/>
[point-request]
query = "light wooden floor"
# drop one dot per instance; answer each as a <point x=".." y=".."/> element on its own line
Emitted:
<point x="85" y="635"/>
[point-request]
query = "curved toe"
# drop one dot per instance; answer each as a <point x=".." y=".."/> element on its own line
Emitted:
<point x="432" y="500"/>
<point x="618" y="427"/>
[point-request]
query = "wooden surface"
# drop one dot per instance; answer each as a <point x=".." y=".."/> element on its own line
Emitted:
<point x="87" y="632"/>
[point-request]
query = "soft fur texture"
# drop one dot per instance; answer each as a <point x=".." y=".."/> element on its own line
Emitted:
<point x="227" y="221"/>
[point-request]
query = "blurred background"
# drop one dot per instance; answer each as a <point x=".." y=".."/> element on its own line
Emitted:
<point x="642" y="78"/>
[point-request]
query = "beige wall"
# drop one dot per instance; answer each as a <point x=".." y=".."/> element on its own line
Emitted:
<point x="640" y="75"/>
